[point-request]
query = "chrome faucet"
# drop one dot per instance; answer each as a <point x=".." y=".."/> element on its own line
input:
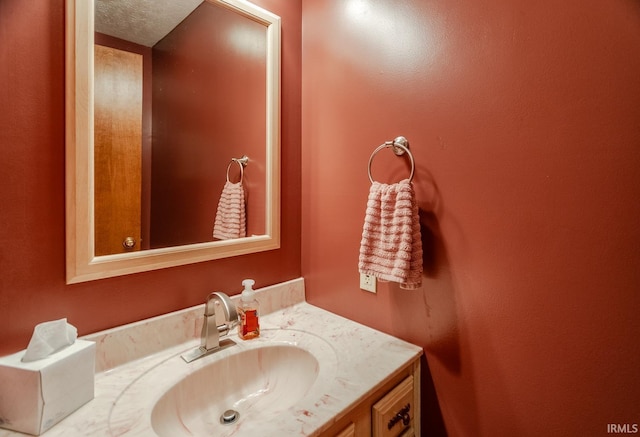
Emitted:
<point x="220" y="316"/>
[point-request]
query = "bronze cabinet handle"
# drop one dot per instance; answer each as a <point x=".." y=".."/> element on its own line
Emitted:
<point x="402" y="415"/>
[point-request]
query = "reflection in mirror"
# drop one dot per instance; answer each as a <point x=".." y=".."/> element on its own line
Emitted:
<point x="173" y="99"/>
<point x="176" y="95"/>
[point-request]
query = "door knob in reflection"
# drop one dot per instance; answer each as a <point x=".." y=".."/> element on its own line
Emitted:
<point x="129" y="243"/>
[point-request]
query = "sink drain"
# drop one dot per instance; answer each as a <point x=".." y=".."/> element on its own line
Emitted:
<point x="229" y="417"/>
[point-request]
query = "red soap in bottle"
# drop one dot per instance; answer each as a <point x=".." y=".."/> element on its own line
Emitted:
<point x="249" y="324"/>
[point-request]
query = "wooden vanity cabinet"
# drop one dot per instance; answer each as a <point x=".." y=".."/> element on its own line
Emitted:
<point x="349" y="431"/>
<point x="391" y="410"/>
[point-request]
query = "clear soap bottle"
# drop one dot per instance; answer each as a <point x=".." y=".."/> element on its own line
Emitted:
<point x="249" y="325"/>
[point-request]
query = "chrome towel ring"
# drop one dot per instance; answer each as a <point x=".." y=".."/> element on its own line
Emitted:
<point x="242" y="162"/>
<point x="400" y="146"/>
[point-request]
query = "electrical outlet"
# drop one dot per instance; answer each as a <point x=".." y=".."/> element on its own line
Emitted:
<point x="368" y="282"/>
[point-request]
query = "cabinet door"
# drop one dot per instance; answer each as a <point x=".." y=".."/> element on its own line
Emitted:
<point x="349" y="431"/>
<point x="393" y="414"/>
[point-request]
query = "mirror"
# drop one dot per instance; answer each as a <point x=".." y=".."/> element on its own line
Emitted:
<point x="185" y="129"/>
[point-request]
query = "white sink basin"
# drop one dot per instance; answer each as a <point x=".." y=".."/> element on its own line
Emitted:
<point x="266" y="382"/>
<point x="256" y="384"/>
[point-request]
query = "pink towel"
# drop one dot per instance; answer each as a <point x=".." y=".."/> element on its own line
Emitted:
<point x="391" y="246"/>
<point x="230" y="217"/>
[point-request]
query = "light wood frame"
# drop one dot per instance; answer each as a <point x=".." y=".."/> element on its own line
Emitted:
<point x="81" y="262"/>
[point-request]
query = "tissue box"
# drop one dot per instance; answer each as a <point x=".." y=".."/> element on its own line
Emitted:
<point x="35" y="396"/>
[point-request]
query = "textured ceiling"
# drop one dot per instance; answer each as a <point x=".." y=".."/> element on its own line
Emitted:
<point x="144" y="22"/>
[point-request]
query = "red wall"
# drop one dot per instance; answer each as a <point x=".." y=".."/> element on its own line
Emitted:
<point x="191" y="151"/>
<point x="524" y="119"/>
<point x="32" y="242"/>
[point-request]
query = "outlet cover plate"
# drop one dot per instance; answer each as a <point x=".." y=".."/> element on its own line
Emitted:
<point x="367" y="282"/>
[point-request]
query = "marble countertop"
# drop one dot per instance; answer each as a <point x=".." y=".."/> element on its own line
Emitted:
<point x="362" y="359"/>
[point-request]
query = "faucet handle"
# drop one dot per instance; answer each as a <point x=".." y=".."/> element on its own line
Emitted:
<point x="229" y="312"/>
<point x="218" y="306"/>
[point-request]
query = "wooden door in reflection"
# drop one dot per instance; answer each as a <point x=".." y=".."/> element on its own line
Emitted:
<point x="117" y="149"/>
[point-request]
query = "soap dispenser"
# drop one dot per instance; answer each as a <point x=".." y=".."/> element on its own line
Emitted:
<point x="249" y="326"/>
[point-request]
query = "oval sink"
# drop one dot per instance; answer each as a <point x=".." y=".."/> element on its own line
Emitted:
<point x="256" y="384"/>
<point x="267" y="383"/>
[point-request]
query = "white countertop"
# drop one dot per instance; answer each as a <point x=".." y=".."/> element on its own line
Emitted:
<point x="363" y="359"/>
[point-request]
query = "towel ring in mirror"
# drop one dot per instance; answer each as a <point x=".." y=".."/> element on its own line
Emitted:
<point x="242" y="162"/>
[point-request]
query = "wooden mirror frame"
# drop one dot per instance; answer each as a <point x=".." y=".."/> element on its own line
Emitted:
<point x="81" y="263"/>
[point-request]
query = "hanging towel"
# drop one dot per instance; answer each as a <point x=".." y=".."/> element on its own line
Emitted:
<point x="391" y="245"/>
<point x="230" y="219"/>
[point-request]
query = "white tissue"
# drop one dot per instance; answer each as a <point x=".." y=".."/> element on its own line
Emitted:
<point x="50" y="337"/>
